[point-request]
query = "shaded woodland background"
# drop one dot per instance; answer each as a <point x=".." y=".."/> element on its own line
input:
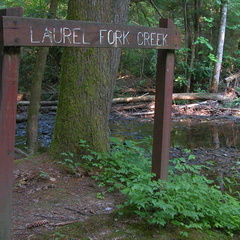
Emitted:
<point x="207" y="62"/>
<point x="198" y="20"/>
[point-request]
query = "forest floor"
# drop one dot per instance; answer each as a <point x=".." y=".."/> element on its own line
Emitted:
<point x="46" y="195"/>
<point x="51" y="203"/>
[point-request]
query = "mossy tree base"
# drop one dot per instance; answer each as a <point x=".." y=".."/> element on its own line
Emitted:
<point x="87" y="83"/>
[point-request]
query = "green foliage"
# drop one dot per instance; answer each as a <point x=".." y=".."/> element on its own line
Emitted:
<point x="100" y="195"/>
<point x="70" y="162"/>
<point x="138" y="62"/>
<point x="202" y="40"/>
<point x="199" y="25"/>
<point x="38" y="9"/>
<point x="187" y="199"/>
<point x="119" y="166"/>
<point x="58" y="236"/>
<point x="234" y="104"/>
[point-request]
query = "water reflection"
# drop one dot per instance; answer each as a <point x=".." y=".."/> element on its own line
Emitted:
<point x="208" y="134"/>
<point x="183" y="134"/>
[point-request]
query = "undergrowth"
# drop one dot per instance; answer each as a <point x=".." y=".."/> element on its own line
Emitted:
<point x="186" y="199"/>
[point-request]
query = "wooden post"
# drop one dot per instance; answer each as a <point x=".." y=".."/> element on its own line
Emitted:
<point x="163" y="108"/>
<point x="9" y="65"/>
<point x="17" y="31"/>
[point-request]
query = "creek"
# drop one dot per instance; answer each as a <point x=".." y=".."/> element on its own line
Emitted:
<point x="184" y="134"/>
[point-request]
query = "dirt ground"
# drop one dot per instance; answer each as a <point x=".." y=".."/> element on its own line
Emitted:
<point x="46" y="197"/>
<point x="44" y="191"/>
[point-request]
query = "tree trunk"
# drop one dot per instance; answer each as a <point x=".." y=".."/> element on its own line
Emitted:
<point x="191" y="66"/>
<point x="221" y="38"/>
<point x="35" y="92"/>
<point x="87" y="82"/>
<point x="188" y="38"/>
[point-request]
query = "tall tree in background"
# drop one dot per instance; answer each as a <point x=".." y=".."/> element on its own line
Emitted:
<point x="221" y="38"/>
<point x="191" y="35"/>
<point x="35" y="92"/>
<point x="87" y="82"/>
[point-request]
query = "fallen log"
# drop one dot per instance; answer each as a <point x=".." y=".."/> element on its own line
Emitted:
<point x="42" y="103"/>
<point x="232" y="77"/>
<point x="142" y="113"/>
<point x="149" y="98"/>
<point x="20" y="152"/>
<point x="203" y="96"/>
<point x="21" y="118"/>
<point x="120" y="108"/>
<point x="193" y="105"/>
<point x="48" y="109"/>
<point x="179" y="96"/>
<point x="132" y="90"/>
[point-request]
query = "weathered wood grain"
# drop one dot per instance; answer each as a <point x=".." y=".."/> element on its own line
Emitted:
<point x="19" y="31"/>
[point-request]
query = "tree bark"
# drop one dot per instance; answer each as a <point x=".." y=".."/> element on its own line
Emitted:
<point x="35" y="92"/>
<point x="221" y="38"/>
<point x="87" y="82"/>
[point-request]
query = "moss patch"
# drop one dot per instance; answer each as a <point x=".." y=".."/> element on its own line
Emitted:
<point x="112" y="226"/>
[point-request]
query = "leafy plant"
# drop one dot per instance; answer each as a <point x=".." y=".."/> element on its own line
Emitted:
<point x="100" y="195"/>
<point x="234" y="103"/>
<point x="205" y="41"/>
<point x="44" y="175"/>
<point x="187" y="199"/>
<point x="69" y="161"/>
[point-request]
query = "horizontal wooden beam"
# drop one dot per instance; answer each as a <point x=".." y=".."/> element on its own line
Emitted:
<point x="19" y="31"/>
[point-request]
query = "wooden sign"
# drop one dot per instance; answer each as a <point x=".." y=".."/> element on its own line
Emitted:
<point x="67" y="33"/>
<point x="16" y="31"/>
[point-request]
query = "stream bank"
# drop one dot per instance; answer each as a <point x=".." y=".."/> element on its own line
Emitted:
<point x="212" y="139"/>
<point x="45" y="194"/>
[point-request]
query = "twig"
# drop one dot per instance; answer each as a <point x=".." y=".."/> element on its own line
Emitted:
<point x="156" y="8"/>
<point x="62" y="223"/>
<point x="74" y="210"/>
<point x="86" y="214"/>
<point x="142" y="113"/>
<point x="19" y="151"/>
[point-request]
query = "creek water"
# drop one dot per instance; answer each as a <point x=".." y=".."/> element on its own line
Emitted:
<point x="183" y="134"/>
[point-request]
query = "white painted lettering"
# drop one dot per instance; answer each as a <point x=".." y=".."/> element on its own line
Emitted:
<point x="153" y="39"/>
<point x="159" y="39"/>
<point x="55" y="33"/>
<point x="47" y="34"/>
<point x="75" y="35"/>
<point x="83" y="39"/>
<point x="114" y="37"/>
<point x="118" y="37"/>
<point x="162" y="39"/>
<point x="140" y="38"/>
<point x="111" y="34"/>
<point x="146" y="37"/>
<point x="31" y="36"/>
<point x="125" y="40"/>
<point x="101" y="35"/>
<point x="165" y="40"/>
<point x="66" y="34"/>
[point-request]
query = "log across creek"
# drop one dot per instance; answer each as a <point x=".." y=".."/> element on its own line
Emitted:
<point x="149" y="98"/>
